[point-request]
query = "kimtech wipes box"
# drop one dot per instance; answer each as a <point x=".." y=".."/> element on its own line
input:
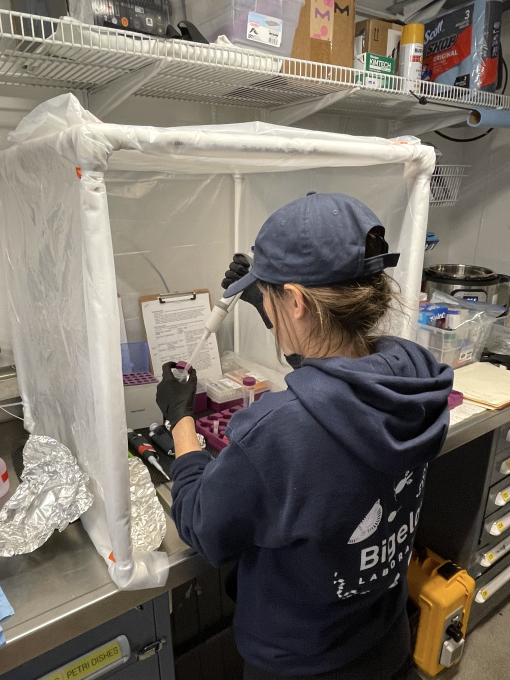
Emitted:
<point x="378" y="69"/>
<point x="462" y="46"/>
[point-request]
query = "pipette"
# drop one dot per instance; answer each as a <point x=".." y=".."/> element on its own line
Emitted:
<point x="219" y="312"/>
<point x="144" y="450"/>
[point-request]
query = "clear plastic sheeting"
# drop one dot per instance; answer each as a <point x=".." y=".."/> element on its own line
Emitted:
<point x="170" y="233"/>
<point x="52" y="494"/>
<point x="148" y="521"/>
<point x="60" y="114"/>
<point x="93" y="209"/>
<point x="383" y="192"/>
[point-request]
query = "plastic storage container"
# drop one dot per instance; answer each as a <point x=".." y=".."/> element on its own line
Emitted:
<point x="135" y="357"/>
<point x="266" y="25"/>
<point x="459" y="347"/>
<point x="498" y="341"/>
<point x="223" y="394"/>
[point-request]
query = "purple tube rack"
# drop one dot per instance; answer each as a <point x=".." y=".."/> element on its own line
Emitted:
<point x="131" y="379"/>
<point x="205" y="426"/>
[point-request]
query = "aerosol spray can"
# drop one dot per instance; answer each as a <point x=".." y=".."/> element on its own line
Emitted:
<point x="411" y="56"/>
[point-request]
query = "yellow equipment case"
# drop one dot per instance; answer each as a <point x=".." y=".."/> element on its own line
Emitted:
<point x="443" y="592"/>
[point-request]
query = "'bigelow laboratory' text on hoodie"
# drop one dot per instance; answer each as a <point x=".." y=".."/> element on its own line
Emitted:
<point x="318" y="495"/>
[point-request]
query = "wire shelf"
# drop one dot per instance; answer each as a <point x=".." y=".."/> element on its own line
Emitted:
<point x="65" y="53"/>
<point x="445" y="184"/>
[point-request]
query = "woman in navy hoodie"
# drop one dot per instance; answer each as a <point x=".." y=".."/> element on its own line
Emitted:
<point x="319" y="492"/>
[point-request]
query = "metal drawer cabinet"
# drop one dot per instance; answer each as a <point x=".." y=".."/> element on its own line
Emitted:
<point x="143" y="635"/>
<point x="492" y="588"/>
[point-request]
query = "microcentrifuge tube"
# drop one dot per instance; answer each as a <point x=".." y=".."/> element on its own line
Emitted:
<point x="180" y="372"/>
<point x="248" y="390"/>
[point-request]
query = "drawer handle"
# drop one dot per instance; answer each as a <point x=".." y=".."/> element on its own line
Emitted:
<point x="493" y="586"/>
<point x="503" y="497"/>
<point x="152" y="649"/>
<point x="501" y="525"/>
<point x="505" y="467"/>
<point x="496" y="553"/>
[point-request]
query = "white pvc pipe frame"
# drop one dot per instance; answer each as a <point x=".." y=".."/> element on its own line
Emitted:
<point x="238" y="195"/>
<point x="90" y="146"/>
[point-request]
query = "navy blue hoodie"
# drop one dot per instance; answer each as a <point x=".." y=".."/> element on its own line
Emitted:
<point x="319" y="494"/>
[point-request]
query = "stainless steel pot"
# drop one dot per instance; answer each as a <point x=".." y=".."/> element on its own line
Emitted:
<point x="467" y="281"/>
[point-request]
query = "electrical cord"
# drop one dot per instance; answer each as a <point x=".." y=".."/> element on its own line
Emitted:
<point x="487" y="132"/>
<point x="18" y="403"/>
<point x="471" y="139"/>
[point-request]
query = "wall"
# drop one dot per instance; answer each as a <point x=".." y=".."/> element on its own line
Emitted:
<point x="480" y="233"/>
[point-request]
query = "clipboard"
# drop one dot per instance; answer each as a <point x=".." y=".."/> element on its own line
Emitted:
<point x="174" y="324"/>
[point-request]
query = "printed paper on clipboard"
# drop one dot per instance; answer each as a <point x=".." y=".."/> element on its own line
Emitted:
<point x="174" y="326"/>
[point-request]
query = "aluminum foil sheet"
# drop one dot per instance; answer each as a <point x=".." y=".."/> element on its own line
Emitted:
<point x="53" y="492"/>
<point x="148" y="520"/>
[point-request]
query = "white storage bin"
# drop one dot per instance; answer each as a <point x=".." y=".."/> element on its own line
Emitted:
<point x="266" y="25"/>
<point x="459" y="347"/>
<point x="224" y="393"/>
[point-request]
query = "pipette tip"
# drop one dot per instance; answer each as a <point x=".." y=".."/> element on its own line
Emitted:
<point x="154" y="462"/>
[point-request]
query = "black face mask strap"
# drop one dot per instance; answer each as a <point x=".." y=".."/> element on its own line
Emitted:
<point x="294" y="360"/>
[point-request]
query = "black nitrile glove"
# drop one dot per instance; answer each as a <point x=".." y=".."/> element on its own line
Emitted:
<point x="175" y="399"/>
<point x="237" y="269"/>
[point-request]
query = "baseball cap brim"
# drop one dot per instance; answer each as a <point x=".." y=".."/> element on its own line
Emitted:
<point x="240" y="285"/>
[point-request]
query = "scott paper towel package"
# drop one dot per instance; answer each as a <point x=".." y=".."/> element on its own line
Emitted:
<point x="462" y="46"/>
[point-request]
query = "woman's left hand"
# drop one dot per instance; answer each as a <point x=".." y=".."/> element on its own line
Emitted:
<point x="175" y="399"/>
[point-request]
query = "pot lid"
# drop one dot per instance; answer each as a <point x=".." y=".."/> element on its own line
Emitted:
<point x="464" y="272"/>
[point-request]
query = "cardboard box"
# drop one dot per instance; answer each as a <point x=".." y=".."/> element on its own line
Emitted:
<point x="325" y="32"/>
<point x="377" y="37"/>
<point x="380" y="68"/>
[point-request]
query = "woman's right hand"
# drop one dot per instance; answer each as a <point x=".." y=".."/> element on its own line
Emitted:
<point x="238" y="268"/>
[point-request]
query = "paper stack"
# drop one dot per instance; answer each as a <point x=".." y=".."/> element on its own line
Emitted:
<point x="464" y="411"/>
<point x="484" y="384"/>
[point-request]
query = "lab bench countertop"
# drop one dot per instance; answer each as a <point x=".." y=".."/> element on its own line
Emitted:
<point x="63" y="589"/>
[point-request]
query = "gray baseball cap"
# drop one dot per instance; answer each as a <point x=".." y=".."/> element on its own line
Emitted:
<point x="317" y="240"/>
